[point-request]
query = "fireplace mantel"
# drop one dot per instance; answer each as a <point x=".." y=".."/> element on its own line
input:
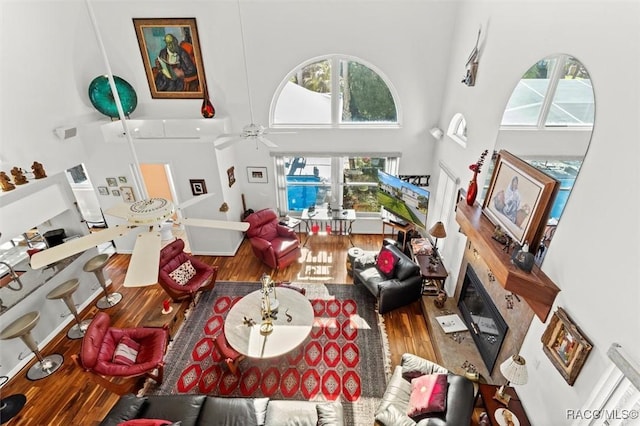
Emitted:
<point x="535" y="287"/>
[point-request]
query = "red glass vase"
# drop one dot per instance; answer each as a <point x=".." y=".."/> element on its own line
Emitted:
<point x="207" y="110"/>
<point x="472" y="191"/>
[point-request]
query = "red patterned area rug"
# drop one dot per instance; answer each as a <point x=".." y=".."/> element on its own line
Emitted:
<point x="345" y="358"/>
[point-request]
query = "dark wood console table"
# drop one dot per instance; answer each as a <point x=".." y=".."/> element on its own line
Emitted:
<point x="486" y="392"/>
<point x="433" y="277"/>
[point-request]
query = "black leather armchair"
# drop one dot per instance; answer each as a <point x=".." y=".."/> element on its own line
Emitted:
<point x="395" y="401"/>
<point x="398" y="288"/>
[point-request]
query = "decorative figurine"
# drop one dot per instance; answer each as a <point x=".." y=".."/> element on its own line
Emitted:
<point x="5" y="182"/>
<point x="38" y="170"/>
<point x="18" y="177"/>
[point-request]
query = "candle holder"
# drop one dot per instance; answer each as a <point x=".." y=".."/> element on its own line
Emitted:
<point x="267" y="310"/>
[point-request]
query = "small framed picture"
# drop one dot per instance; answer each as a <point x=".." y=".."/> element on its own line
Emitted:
<point x="198" y="186"/>
<point x="257" y="174"/>
<point x="112" y="182"/>
<point x="565" y="345"/>
<point x="115" y="192"/>
<point x="231" y="175"/>
<point x="103" y="190"/>
<point x="122" y="179"/>
<point x="127" y="194"/>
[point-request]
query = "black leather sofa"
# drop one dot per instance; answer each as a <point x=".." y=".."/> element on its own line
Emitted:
<point x="201" y="410"/>
<point x="395" y="401"/>
<point x="399" y="288"/>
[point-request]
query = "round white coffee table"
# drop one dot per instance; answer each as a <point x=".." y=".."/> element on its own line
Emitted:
<point x="290" y="329"/>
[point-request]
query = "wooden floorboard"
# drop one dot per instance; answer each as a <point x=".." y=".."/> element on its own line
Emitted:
<point x="69" y="398"/>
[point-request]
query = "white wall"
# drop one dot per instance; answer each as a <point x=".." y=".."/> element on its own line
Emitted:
<point x="597" y="272"/>
<point x="422" y="47"/>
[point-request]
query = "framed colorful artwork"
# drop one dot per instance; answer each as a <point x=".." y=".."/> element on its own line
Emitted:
<point x="565" y="345"/>
<point x="519" y="198"/>
<point x="171" y="56"/>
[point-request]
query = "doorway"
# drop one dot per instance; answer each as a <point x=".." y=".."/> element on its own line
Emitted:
<point x="159" y="184"/>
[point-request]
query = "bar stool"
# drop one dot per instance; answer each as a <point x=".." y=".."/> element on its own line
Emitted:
<point x="22" y="328"/>
<point x="96" y="265"/>
<point x="65" y="292"/>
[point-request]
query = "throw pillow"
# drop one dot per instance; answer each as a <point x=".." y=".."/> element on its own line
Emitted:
<point x="183" y="273"/>
<point x="386" y="262"/>
<point x="126" y="351"/>
<point x="329" y="414"/>
<point x="392" y="416"/>
<point x="428" y="395"/>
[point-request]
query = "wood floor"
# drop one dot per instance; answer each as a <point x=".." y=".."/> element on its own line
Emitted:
<point x="68" y="398"/>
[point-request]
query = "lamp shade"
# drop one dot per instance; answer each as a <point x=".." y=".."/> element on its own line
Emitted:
<point x="514" y="369"/>
<point x="437" y="230"/>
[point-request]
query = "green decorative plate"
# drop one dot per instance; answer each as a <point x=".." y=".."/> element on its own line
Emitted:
<point x="102" y="97"/>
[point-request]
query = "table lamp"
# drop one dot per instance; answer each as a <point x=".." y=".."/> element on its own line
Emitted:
<point x="514" y="369"/>
<point x="437" y="231"/>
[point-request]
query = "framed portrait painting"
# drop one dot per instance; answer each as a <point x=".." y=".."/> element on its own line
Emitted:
<point x="565" y="345"/>
<point x="171" y="56"/>
<point x="519" y="198"/>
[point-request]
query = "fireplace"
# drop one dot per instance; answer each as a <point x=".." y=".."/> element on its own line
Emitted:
<point x="488" y="328"/>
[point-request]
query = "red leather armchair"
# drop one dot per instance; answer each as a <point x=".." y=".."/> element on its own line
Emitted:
<point x="274" y="244"/>
<point x="171" y="257"/>
<point x="99" y="346"/>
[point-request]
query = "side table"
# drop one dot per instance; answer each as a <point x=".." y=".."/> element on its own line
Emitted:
<point x="491" y="405"/>
<point x="173" y="320"/>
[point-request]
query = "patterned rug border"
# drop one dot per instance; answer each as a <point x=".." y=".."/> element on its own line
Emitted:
<point x="357" y="413"/>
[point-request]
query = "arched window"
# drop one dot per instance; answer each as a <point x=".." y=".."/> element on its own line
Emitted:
<point x="458" y="129"/>
<point x="307" y="96"/>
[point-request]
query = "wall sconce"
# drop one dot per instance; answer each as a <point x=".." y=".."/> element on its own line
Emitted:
<point x="472" y="64"/>
<point x="437" y="133"/>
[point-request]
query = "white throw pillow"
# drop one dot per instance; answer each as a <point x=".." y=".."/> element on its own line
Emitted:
<point x="183" y="273"/>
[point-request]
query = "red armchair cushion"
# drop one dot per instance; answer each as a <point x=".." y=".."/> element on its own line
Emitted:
<point x="272" y="243"/>
<point x="126" y="352"/>
<point x="171" y="257"/>
<point x="100" y="341"/>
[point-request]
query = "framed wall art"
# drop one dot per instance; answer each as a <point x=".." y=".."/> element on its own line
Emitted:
<point x="565" y="345"/>
<point x="112" y="182"/>
<point x="519" y="198"/>
<point x="103" y="190"/>
<point x="231" y="175"/>
<point x="127" y="194"/>
<point x="172" y="58"/>
<point x="198" y="186"/>
<point x="122" y="179"/>
<point x="257" y="174"/>
<point x="115" y="192"/>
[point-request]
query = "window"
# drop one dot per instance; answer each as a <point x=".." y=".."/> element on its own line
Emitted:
<point x="458" y="129"/>
<point x="347" y="182"/>
<point x="306" y="96"/>
<point x="554" y="92"/>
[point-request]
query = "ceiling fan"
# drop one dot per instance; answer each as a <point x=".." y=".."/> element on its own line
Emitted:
<point x="145" y="259"/>
<point x="251" y="131"/>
